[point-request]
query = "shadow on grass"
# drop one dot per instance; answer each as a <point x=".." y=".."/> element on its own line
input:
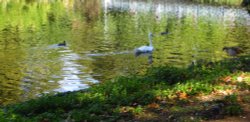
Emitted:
<point x="160" y="91"/>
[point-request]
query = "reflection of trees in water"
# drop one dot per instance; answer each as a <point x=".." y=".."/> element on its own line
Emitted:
<point x="51" y="17"/>
<point x="104" y="66"/>
<point x="10" y="75"/>
<point x="10" y="37"/>
<point x="24" y="73"/>
<point x="110" y="66"/>
<point x="238" y="35"/>
<point x="30" y="1"/>
<point x="180" y="9"/>
<point x="89" y="8"/>
<point x="221" y="2"/>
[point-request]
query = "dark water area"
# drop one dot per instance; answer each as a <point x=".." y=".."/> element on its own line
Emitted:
<point x="101" y="36"/>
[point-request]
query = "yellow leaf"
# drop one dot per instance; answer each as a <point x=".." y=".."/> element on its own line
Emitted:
<point x="227" y="79"/>
<point x="183" y="95"/>
<point x="154" y="105"/>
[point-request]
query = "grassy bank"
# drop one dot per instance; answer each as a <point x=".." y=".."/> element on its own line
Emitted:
<point x="200" y="92"/>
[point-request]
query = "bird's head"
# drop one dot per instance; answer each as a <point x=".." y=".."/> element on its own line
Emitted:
<point x="225" y="48"/>
<point x="150" y="34"/>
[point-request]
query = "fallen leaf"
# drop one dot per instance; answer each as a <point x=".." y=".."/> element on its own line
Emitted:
<point x="227" y="79"/>
<point x="158" y="98"/>
<point x="154" y="105"/>
<point x="183" y="95"/>
<point x="224" y="92"/>
<point x="229" y="91"/>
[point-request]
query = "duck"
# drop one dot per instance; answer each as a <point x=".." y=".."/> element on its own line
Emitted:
<point x="232" y="51"/>
<point x="165" y="32"/>
<point x="145" y="49"/>
<point x="62" y="44"/>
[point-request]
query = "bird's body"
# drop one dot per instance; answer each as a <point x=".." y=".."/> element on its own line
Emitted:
<point x="62" y="44"/>
<point x="232" y="51"/>
<point x="145" y="49"/>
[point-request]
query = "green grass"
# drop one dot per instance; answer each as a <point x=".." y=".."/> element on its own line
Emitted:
<point x="126" y="98"/>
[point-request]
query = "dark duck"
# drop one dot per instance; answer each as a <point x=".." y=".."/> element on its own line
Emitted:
<point x="233" y="51"/>
<point x="62" y="43"/>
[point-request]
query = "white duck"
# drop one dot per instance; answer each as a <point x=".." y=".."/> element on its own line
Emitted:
<point x="145" y="49"/>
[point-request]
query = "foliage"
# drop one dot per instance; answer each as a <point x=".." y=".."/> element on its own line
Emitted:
<point x="233" y="107"/>
<point x="170" y="74"/>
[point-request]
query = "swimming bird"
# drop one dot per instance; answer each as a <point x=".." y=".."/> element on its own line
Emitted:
<point x="62" y="44"/>
<point x="145" y="49"/>
<point x="232" y="51"/>
<point x="165" y="32"/>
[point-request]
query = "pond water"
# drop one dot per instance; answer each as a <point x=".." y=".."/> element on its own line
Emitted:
<point x="101" y="36"/>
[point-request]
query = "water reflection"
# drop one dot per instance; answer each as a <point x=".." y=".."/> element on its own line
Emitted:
<point x="10" y="75"/>
<point x="71" y="74"/>
<point x="181" y="9"/>
<point x="101" y="36"/>
<point x="108" y="53"/>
